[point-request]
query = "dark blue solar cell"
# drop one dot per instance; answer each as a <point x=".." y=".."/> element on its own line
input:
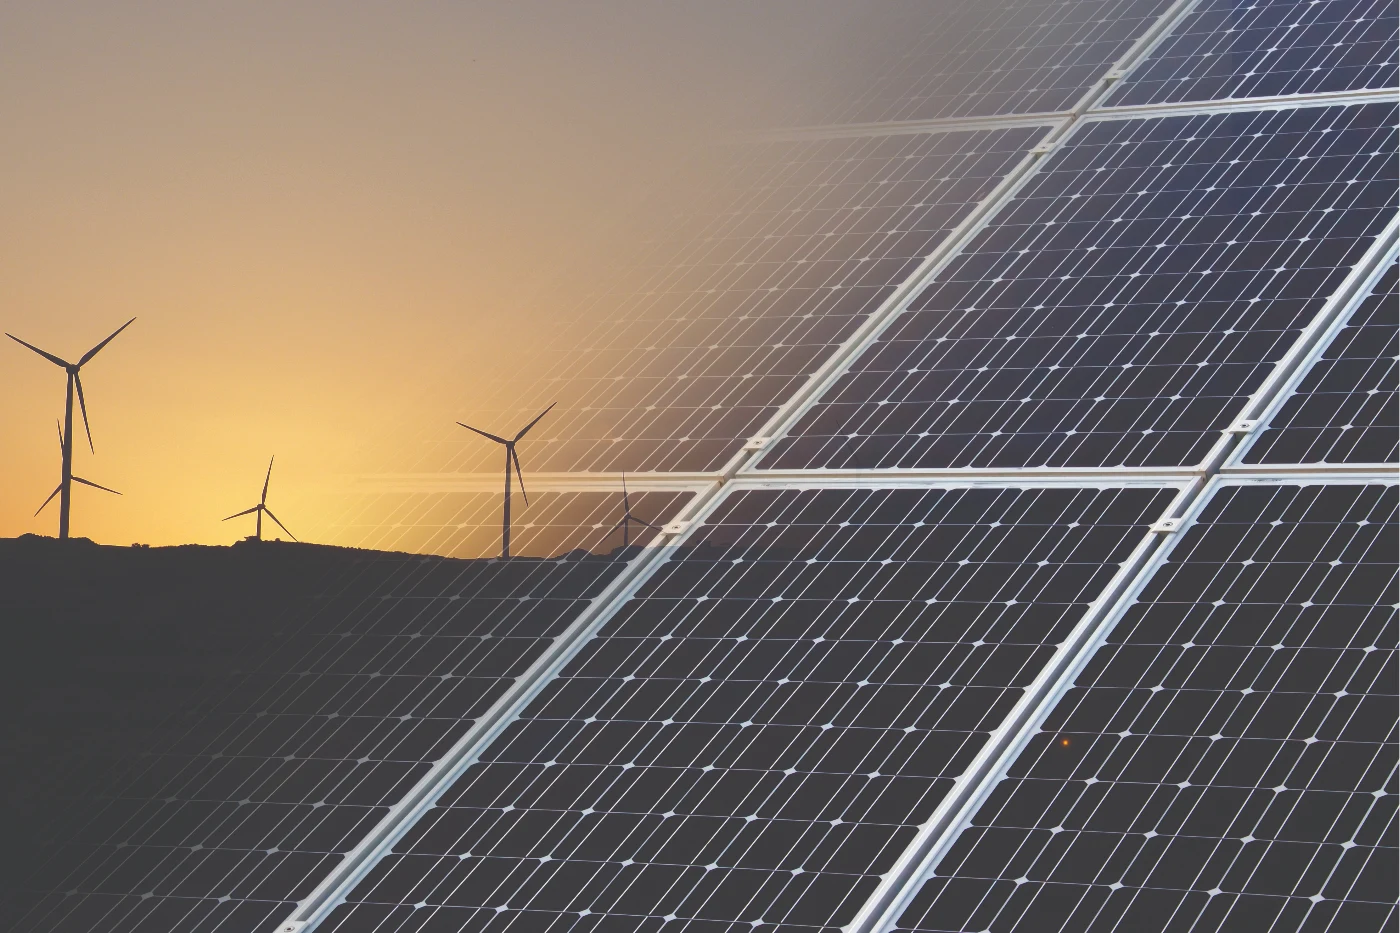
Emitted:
<point x="1344" y="408"/>
<point x="1231" y="49"/>
<point x="756" y="736"/>
<point x="1121" y="309"/>
<point x="1227" y="761"/>
<point x="254" y="793"/>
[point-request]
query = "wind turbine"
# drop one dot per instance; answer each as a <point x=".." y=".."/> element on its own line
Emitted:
<point x="65" y="488"/>
<point x="261" y="507"/>
<point x="628" y="518"/>
<point x="511" y="459"/>
<point x="76" y="479"/>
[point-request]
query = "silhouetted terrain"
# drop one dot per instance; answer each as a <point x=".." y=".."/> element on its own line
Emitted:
<point x="117" y="657"/>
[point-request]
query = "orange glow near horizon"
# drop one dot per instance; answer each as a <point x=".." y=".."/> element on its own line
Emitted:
<point x="319" y="215"/>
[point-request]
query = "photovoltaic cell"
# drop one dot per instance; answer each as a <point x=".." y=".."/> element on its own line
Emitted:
<point x="1344" y="409"/>
<point x="1228" y="760"/>
<point x="1120" y="310"/>
<point x="755" y="736"/>
<point x="227" y="825"/>
<point x="1226" y="49"/>
<point x="967" y="58"/>
<point x="696" y="343"/>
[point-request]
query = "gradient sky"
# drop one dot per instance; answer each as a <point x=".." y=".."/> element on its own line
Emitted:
<point x="317" y="211"/>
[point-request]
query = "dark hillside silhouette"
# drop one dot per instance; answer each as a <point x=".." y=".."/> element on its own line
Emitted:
<point x="143" y="687"/>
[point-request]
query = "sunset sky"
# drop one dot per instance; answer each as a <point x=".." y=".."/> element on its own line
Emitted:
<point x="320" y="213"/>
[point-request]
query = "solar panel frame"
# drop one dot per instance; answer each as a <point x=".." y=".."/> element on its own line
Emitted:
<point x="1200" y="502"/>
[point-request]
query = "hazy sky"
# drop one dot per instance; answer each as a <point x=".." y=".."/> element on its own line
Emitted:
<point x="315" y="210"/>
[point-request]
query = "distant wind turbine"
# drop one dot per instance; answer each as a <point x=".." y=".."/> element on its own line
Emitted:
<point x="261" y="507"/>
<point x="65" y="487"/>
<point x="76" y="479"/>
<point x="628" y="518"/>
<point x="511" y="460"/>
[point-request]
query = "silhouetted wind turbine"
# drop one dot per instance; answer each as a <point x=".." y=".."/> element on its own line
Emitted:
<point x="511" y="460"/>
<point x="65" y="488"/>
<point x="261" y="507"/>
<point x="76" y="479"/>
<point x="628" y="518"/>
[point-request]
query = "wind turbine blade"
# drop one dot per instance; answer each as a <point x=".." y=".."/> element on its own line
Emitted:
<point x="82" y="403"/>
<point x="279" y="524"/>
<point x="59" y="424"/>
<point x="643" y="521"/>
<point x="93" y="352"/>
<point x="246" y="512"/>
<point x="535" y="422"/>
<point x="268" y="480"/>
<point x="55" y="492"/>
<point x="620" y="522"/>
<point x="516" y="460"/>
<point x="498" y="440"/>
<point x="88" y="482"/>
<point x="48" y="356"/>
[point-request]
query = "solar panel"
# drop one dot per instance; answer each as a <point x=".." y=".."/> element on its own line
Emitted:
<point x="921" y="61"/>
<point x="696" y="343"/>
<point x="1343" y="410"/>
<point x="755" y="736"/>
<point x="1121" y="309"/>
<point x="249" y="805"/>
<point x="1225" y="49"/>
<point x="1228" y="760"/>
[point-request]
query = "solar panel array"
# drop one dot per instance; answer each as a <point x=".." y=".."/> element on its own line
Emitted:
<point x="1228" y="759"/>
<point x="1121" y="308"/>
<point x="1054" y="588"/>
<point x="756" y="736"/>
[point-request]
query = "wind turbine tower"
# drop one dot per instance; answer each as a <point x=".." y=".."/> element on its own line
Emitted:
<point x="511" y="460"/>
<point x="65" y="487"/>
